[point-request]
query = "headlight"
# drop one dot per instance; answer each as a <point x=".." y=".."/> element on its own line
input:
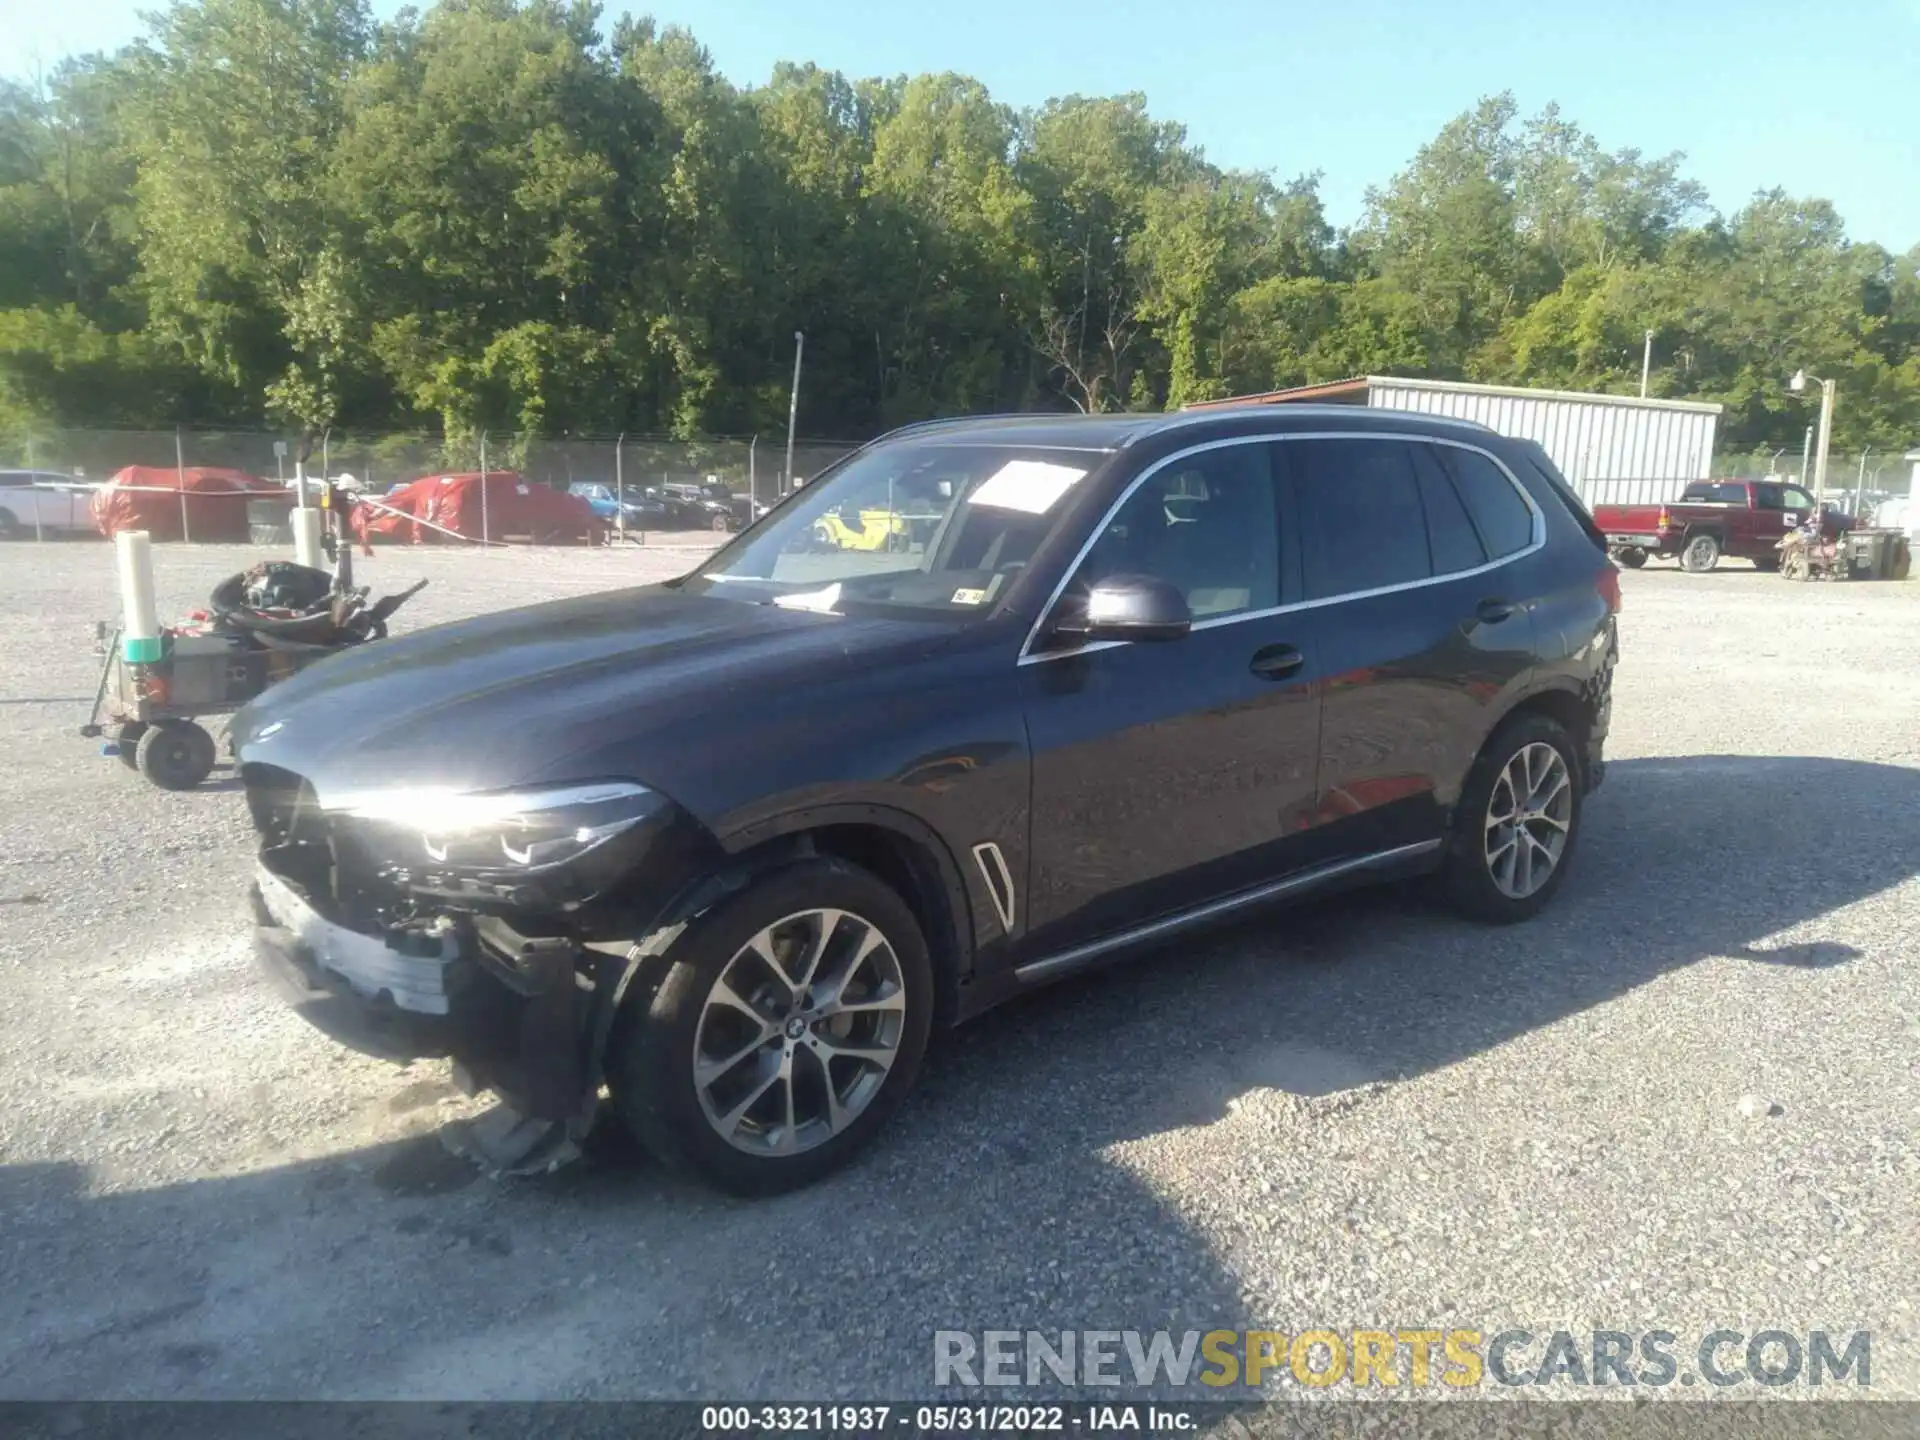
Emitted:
<point x="515" y="832"/>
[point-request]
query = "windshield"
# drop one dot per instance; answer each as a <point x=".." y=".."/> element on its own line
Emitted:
<point x="932" y="525"/>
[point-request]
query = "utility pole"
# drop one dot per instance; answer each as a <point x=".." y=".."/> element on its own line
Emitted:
<point x="1826" y="441"/>
<point x="1806" y="454"/>
<point x="793" y="404"/>
<point x="1860" y="481"/>
<point x="1646" y="365"/>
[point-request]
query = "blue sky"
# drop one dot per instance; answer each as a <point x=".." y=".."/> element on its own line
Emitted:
<point x="1815" y="97"/>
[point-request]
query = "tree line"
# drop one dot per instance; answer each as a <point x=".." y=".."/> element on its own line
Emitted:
<point x="499" y="214"/>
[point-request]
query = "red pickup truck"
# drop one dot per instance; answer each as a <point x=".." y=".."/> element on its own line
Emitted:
<point x="1712" y="518"/>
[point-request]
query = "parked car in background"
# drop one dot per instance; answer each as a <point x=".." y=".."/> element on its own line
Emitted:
<point x="708" y="507"/>
<point x="642" y="509"/>
<point x="44" y="502"/>
<point x="1712" y="518"/>
<point x="732" y="845"/>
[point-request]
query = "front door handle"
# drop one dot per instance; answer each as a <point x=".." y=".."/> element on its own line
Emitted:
<point x="1492" y="612"/>
<point x="1276" y="662"/>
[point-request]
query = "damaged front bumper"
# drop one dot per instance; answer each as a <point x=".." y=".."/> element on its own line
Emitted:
<point x="518" y="1016"/>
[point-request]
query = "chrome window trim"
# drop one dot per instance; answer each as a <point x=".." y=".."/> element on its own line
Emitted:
<point x="1027" y="656"/>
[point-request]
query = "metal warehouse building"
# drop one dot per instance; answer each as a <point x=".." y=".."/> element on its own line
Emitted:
<point x="1613" y="448"/>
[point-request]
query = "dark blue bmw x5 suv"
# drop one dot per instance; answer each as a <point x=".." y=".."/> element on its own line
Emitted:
<point x="986" y="704"/>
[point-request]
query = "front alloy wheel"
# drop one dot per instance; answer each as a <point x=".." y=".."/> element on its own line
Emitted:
<point x="779" y="1030"/>
<point x="799" y="1032"/>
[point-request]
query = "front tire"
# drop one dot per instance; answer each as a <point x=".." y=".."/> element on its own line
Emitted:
<point x="1701" y="554"/>
<point x="1516" y="823"/>
<point x="788" y="1026"/>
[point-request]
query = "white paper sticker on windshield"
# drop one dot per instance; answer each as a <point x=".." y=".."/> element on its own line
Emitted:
<point x="822" y="600"/>
<point x="964" y="596"/>
<point x="1029" y="486"/>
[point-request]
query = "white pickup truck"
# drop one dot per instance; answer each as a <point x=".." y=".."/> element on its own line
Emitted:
<point x="44" y="502"/>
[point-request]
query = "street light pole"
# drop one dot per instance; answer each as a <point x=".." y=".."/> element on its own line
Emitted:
<point x="1646" y="365"/>
<point x="793" y="404"/>
<point x="1798" y="385"/>
<point x="1826" y="441"/>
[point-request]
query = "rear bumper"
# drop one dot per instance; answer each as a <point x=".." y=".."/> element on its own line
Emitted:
<point x="513" y="1017"/>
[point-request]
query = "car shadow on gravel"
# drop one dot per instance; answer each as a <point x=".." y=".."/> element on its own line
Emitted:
<point x="1681" y="858"/>
<point x="995" y="1201"/>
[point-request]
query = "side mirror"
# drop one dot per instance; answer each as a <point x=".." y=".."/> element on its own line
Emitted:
<point x="1135" y="607"/>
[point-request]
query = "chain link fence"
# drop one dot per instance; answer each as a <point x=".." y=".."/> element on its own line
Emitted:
<point x="64" y="465"/>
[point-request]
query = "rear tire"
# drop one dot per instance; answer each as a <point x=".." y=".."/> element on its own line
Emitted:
<point x="1700" y="554"/>
<point x="1529" y="768"/>
<point x="1632" y="557"/>
<point x="176" y="754"/>
<point x="762" y="1084"/>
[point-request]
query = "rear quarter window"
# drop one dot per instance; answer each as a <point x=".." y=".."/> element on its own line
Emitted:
<point x="1500" y="515"/>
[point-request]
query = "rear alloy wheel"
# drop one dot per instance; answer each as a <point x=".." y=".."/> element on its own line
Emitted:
<point x="790" y="1022"/>
<point x="1701" y="554"/>
<point x="1631" y="558"/>
<point x="721" y="524"/>
<point x="1516" y="822"/>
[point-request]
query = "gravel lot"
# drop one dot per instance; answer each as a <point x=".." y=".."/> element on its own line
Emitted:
<point x="1358" y="1114"/>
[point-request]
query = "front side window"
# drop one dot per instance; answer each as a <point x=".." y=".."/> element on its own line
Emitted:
<point x="1204" y="523"/>
<point x="1362" y="524"/>
<point x="931" y="526"/>
<point x="1796" y="498"/>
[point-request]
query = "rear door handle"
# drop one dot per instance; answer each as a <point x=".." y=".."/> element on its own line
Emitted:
<point x="1276" y="662"/>
<point x="1492" y="612"/>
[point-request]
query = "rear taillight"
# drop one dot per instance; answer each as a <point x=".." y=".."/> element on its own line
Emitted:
<point x="1609" y="588"/>
<point x="1665" y="522"/>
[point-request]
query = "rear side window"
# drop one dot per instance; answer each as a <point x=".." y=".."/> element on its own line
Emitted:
<point x="1450" y="531"/>
<point x="1499" y="514"/>
<point x="1361" y="520"/>
<point x="1767" y="497"/>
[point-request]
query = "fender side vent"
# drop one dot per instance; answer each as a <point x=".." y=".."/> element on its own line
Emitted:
<point x="993" y="869"/>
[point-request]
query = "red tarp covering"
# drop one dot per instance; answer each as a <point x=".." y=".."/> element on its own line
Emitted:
<point x="515" y="509"/>
<point x="216" y="502"/>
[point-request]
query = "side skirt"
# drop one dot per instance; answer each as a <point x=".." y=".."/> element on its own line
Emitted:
<point x="1406" y="859"/>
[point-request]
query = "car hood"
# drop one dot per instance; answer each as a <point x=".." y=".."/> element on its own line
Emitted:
<point x="565" y="690"/>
